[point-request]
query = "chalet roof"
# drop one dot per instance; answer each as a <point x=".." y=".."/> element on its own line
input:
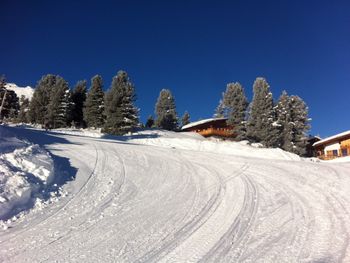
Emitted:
<point x="328" y="139"/>
<point x="193" y="124"/>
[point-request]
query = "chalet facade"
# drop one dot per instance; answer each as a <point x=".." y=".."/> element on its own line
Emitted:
<point x="210" y="127"/>
<point x="334" y="146"/>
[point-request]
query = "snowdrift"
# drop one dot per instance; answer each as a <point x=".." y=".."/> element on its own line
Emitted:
<point x="25" y="169"/>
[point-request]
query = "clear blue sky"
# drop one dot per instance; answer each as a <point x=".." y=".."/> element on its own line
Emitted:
<point x="191" y="47"/>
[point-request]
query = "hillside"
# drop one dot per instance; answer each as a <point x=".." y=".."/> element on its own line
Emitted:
<point x="158" y="196"/>
<point x="21" y="91"/>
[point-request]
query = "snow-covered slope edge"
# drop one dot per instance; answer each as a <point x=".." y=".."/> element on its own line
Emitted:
<point x="25" y="170"/>
<point x="27" y="91"/>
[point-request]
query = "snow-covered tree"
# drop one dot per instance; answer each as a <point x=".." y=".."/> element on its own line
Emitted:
<point x="9" y="104"/>
<point x="300" y="121"/>
<point x="292" y="118"/>
<point x="261" y="126"/>
<point x="24" y="109"/>
<point x="41" y="98"/>
<point x="94" y="104"/>
<point x="186" y="118"/>
<point x="78" y="98"/>
<point x="284" y="122"/>
<point x="220" y="111"/>
<point x="235" y="103"/>
<point x="59" y="109"/>
<point x="121" y="113"/>
<point x="149" y="122"/>
<point x="166" y="111"/>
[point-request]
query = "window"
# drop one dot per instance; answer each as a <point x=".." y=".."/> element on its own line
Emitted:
<point x="335" y="152"/>
<point x="344" y="152"/>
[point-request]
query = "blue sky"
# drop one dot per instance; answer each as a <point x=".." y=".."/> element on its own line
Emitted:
<point x="193" y="48"/>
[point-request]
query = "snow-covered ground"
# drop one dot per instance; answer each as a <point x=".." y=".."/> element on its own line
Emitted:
<point x="25" y="170"/>
<point x="176" y="197"/>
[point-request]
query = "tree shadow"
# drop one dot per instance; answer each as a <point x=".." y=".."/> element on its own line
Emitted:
<point x="63" y="170"/>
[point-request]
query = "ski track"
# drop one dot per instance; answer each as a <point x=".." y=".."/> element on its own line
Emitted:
<point x="137" y="203"/>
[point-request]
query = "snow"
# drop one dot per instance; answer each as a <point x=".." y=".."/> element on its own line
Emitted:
<point x="159" y="196"/>
<point x="23" y="168"/>
<point x="192" y="124"/>
<point x="346" y="133"/>
<point x="27" y="91"/>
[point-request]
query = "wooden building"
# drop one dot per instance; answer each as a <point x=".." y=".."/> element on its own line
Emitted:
<point x="210" y="127"/>
<point x="334" y="146"/>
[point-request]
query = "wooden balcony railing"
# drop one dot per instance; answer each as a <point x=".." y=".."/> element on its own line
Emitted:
<point x="216" y="132"/>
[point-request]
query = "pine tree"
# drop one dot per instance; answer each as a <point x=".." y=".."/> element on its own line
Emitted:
<point x="300" y="122"/>
<point x="24" y="109"/>
<point x="78" y="99"/>
<point x="59" y="109"/>
<point x="121" y="113"/>
<point x="94" y="104"/>
<point x="185" y="118"/>
<point x="149" y="122"/>
<point x="41" y="98"/>
<point x="166" y="111"/>
<point x="220" y="111"/>
<point x="292" y="117"/>
<point x="9" y="104"/>
<point x="236" y="103"/>
<point x="284" y="121"/>
<point x="261" y="126"/>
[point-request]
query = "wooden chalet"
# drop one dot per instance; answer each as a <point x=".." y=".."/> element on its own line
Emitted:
<point x="334" y="146"/>
<point x="210" y="127"/>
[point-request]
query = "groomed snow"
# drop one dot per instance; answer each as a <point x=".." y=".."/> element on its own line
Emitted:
<point x="160" y="196"/>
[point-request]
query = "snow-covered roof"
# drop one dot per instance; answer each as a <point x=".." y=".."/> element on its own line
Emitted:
<point x="332" y="138"/>
<point x="192" y="124"/>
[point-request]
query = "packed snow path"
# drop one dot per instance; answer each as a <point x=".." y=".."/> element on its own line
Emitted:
<point x="141" y="203"/>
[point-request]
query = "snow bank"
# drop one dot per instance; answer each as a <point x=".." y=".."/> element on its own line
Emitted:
<point x="24" y="170"/>
<point x="195" y="142"/>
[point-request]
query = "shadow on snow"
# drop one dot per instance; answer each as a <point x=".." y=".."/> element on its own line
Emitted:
<point x="63" y="170"/>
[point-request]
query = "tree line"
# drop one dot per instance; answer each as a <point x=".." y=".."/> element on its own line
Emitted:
<point x="283" y="123"/>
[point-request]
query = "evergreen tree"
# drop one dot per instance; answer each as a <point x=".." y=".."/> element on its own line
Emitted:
<point x="185" y="118"/>
<point x="300" y="122"/>
<point x="149" y="122"/>
<point x="41" y="98"/>
<point x="9" y="104"/>
<point x="283" y="111"/>
<point x="220" y="111"/>
<point x="292" y="116"/>
<point x="261" y="126"/>
<point x="78" y="99"/>
<point x="121" y="113"/>
<point x="94" y="104"/>
<point x="24" y="109"/>
<point x="166" y="111"/>
<point x="59" y="109"/>
<point x="236" y="103"/>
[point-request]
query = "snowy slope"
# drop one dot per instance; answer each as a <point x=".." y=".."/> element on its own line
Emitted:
<point x="25" y="91"/>
<point x="164" y="197"/>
